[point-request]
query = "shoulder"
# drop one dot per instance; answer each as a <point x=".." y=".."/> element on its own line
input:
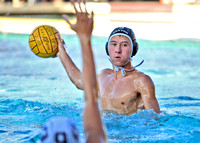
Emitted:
<point x="105" y="72"/>
<point x="144" y="80"/>
<point x="145" y="86"/>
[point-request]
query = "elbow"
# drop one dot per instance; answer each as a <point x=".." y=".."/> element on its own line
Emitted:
<point x="157" y="109"/>
<point x="79" y="85"/>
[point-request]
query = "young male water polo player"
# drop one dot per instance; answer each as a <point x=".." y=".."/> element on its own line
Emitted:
<point x="61" y="129"/>
<point x="122" y="89"/>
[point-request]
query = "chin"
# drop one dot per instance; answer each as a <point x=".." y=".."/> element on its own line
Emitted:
<point x="118" y="64"/>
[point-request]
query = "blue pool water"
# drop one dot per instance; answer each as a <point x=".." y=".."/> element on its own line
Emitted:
<point x="33" y="89"/>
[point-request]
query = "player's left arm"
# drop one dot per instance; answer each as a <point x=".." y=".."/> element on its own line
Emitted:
<point x="147" y="91"/>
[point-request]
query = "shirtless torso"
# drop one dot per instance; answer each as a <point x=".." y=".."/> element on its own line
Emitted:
<point x="120" y="95"/>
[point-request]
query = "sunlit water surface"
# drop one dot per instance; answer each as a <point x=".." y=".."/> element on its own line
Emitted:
<point x="33" y="89"/>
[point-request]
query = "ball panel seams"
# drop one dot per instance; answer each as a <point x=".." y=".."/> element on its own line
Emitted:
<point x="43" y="41"/>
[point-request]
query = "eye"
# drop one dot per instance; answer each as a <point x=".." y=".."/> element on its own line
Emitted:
<point x="113" y="44"/>
<point x="124" y="44"/>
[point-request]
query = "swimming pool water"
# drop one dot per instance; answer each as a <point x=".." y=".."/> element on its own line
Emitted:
<point x="34" y="89"/>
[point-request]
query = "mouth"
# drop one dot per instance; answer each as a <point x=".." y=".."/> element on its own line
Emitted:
<point x="117" y="57"/>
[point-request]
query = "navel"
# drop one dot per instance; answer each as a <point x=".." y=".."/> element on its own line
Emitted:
<point x="122" y="103"/>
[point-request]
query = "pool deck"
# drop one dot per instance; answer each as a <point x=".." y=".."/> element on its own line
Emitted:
<point x="152" y="21"/>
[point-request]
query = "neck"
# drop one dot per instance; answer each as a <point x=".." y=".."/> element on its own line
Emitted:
<point x="120" y="71"/>
<point x="127" y="67"/>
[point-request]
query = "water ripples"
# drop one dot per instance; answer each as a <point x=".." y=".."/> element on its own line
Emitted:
<point x="147" y="126"/>
<point x="30" y="115"/>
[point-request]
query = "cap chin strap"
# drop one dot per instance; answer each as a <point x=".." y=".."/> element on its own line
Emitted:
<point x="123" y="70"/>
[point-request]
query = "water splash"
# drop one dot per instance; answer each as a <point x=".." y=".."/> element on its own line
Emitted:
<point x="31" y="115"/>
<point x="148" y="126"/>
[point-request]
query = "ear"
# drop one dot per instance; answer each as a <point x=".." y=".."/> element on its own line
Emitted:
<point x="106" y="47"/>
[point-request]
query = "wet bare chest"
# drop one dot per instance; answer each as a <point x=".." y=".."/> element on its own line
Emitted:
<point x="121" y="96"/>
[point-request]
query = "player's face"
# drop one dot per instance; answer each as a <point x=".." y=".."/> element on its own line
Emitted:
<point x="119" y="49"/>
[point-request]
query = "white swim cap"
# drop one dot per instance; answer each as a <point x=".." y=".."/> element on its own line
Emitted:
<point x="59" y="130"/>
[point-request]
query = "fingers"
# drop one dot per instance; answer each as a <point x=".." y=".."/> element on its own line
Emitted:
<point x="79" y="10"/>
<point x="92" y="15"/>
<point x="84" y="2"/>
<point x="66" y="18"/>
<point x="84" y="20"/>
<point x="73" y="3"/>
<point x="58" y="37"/>
<point x="61" y="42"/>
<point x="79" y="3"/>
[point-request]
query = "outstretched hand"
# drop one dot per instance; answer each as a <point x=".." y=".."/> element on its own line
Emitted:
<point x="84" y="24"/>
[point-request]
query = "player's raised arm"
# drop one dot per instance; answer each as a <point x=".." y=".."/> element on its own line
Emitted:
<point x="93" y="125"/>
<point x="73" y="72"/>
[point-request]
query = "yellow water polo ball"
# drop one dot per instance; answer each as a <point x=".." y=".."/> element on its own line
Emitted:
<point x="43" y="41"/>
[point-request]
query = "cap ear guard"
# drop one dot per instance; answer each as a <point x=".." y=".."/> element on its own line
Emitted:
<point x="135" y="48"/>
<point x="107" y="52"/>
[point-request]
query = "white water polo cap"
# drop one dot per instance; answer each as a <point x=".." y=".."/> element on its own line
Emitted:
<point x="59" y="130"/>
<point x="127" y="32"/>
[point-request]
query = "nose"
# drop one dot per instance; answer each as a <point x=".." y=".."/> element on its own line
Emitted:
<point x="118" y="49"/>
